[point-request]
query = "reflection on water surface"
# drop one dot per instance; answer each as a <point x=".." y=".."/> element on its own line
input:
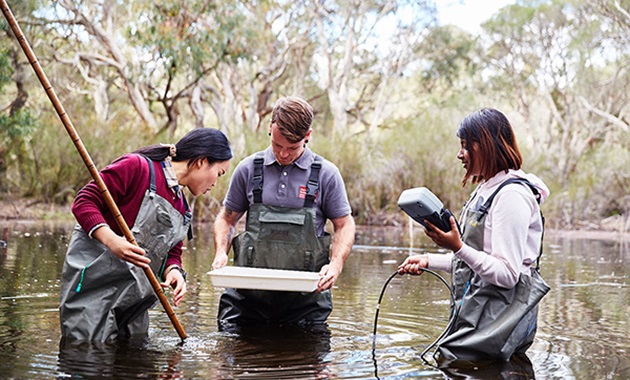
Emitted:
<point x="582" y="334"/>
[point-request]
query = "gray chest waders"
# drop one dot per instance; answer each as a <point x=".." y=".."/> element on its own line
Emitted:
<point x="103" y="297"/>
<point x="279" y="238"/>
<point x="492" y="323"/>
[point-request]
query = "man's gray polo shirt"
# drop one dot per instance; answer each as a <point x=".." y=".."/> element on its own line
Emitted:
<point x="286" y="186"/>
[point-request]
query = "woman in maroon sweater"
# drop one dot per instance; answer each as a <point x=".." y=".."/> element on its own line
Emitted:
<point x="104" y="292"/>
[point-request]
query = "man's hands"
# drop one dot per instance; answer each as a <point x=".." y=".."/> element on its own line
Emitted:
<point x="343" y="238"/>
<point x="328" y="275"/>
<point x="220" y="260"/>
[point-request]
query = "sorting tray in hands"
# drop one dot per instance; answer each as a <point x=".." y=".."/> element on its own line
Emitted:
<point x="264" y="279"/>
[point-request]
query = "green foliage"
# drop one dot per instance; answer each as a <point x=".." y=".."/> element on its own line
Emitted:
<point x="597" y="199"/>
<point x="20" y="125"/>
<point x="42" y="162"/>
<point x="15" y="133"/>
<point x="195" y="34"/>
<point x="420" y="151"/>
<point x="446" y="54"/>
<point x="5" y="68"/>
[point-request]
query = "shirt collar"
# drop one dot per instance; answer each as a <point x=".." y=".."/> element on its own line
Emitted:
<point x="304" y="162"/>
<point x="171" y="177"/>
<point x="496" y="179"/>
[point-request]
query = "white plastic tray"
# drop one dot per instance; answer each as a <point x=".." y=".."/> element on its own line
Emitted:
<point x="264" y="279"/>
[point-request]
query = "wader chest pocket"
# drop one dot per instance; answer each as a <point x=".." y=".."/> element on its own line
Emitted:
<point x="163" y="217"/>
<point x="286" y="218"/>
<point x="281" y="227"/>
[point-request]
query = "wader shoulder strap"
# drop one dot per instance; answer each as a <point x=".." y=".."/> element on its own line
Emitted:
<point x="153" y="191"/>
<point x="257" y="180"/>
<point x="313" y="182"/>
<point x="484" y="208"/>
<point x="188" y="218"/>
<point x="152" y="187"/>
<point x="311" y="186"/>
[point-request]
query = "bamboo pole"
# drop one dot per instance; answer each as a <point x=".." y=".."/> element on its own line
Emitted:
<point x="67" y="123"/>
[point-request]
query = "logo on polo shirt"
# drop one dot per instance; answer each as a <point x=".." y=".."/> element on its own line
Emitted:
<point x="302" y="193"/>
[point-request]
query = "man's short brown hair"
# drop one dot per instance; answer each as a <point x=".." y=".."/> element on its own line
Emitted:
<point x="293" y="116"/>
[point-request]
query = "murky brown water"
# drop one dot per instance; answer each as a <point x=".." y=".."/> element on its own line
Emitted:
<point x="583" y="324"/>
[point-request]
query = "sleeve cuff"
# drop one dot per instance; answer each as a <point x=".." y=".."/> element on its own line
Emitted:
<point x="440" y="261"/>
<point x="174" y="267"/>
<point x="96" y="227"/>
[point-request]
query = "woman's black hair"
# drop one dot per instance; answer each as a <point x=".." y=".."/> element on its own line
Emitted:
<point x="496" y="147"/>
<point x="200" y="143"/>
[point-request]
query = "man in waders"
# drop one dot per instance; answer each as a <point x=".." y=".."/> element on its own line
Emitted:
<point x="289" y="193"/>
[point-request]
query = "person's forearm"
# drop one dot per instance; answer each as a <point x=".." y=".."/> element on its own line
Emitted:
<point x="105" y="235"/>
<point x="224" y="230"/>
<point x="343" y="239"/>
<point x="223" y="234"/>
<point x="120" y="247"/>
<point x="440" y="261"/>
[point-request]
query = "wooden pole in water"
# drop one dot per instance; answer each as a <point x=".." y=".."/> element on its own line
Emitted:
<point x="67" y="123"/>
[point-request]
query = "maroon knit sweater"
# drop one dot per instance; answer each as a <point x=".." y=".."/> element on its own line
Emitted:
<point x="127" y="179"/>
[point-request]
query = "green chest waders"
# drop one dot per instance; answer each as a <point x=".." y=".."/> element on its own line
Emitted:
<point x="493" y="323"/>
<point x="279" y="238"/>
<point x="104" y="297"/>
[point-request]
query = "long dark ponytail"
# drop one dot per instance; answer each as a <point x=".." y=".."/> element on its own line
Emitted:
<point x="200" y="143"/>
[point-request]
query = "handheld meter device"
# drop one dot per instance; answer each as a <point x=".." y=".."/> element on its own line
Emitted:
<point x="421" y="204"/>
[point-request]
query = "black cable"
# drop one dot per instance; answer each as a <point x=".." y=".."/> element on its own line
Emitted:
<point x="448" y="326"/>
<point x="378" y="307"/>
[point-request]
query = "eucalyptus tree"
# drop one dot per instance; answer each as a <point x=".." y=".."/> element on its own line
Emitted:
<point x="185" y="45"/>
<point x="563" y="64"/>
<point x="88" y="36"/>
<point x="364" y="47"/>
<point x="155" y="52"/>
<point x="566" y="71"/>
